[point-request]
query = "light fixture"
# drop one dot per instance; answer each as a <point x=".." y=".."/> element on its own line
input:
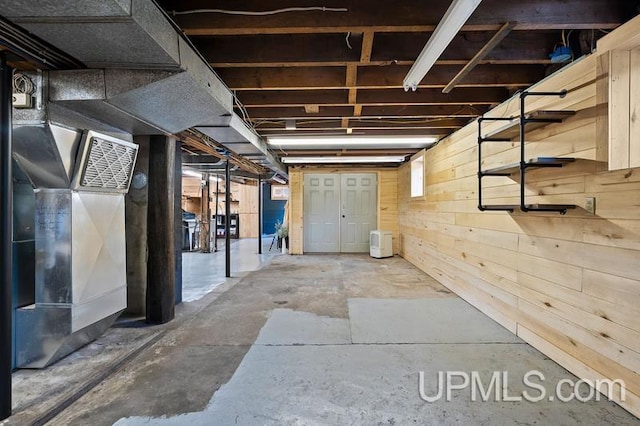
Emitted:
<point x="351" y="140"/>
<point x="450" y="24"/>
<point x="279" y="179"/>
<point x="343" y="160"/>
<point x="191" y="173"/>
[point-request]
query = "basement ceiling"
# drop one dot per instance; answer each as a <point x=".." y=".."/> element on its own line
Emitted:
<point x="336" y="68"/>
<point x="340" y="70"/>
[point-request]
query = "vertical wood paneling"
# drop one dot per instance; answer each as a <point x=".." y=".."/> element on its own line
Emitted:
<point x="619" y="94"/>
<point x="634" y="109"/>
<point x="295" y="211"/>
<point x="248" y="210"/>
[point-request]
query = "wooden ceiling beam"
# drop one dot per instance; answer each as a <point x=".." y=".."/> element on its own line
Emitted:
<point x="289" y="49"/>
<point x="482" y="53"/>
<point x="281" y="48"/>
<point x="297" y="64"/>
<point x="275" y="98"/>
<point x="363" y="132"/>
<point x="430" y="111"/>
<point x="367" y="47"/>
<point x="336" y="112"/>
<point x="367" y="77"/>
<point x="401" y="15"/>
<point x="370" y="123"/>
<point x="517" y="46"/>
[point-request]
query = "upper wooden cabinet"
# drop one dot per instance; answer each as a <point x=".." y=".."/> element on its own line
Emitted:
<point x="618" y="85"/>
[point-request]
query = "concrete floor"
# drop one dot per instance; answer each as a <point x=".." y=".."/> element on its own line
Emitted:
<point x="322" y="339"/>
<point x="203" y="272"/>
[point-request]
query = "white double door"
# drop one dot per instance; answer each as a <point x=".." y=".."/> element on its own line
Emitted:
<point x="340" y="210"/>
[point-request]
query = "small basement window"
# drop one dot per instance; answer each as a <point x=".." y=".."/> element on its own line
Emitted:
<point x="417" y="176"/>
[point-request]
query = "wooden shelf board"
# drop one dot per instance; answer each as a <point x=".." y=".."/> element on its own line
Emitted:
<point x="535" y="120"/>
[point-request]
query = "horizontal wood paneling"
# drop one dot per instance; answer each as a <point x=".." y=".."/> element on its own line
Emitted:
<point x="244" y="202"/>
<point x="569" y="285"/>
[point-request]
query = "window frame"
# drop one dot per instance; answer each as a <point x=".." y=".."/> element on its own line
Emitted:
<point x="414" y="161"/>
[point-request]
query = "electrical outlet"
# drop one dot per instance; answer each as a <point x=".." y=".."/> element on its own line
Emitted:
<point x="590" y="204"/>
<point x="21" y="100"/>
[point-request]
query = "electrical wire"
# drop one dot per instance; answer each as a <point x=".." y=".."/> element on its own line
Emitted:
<point x="347" y="40"/>
<point x="23" y="84"/>
<point x="262" y="13"/>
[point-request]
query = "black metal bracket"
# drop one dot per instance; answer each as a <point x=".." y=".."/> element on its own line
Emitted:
<point x="524" y="164"/>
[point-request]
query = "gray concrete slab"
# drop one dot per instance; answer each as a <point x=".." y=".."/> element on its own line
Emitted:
<point x="287" y="327"/>
<point x="204" y="272"/>
<point x="208" y="363"/>
<point x="436" y="320"/>
<point x="379" y="385"/>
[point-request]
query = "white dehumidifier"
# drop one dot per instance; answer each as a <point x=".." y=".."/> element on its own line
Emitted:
<point x="381" y="244"/>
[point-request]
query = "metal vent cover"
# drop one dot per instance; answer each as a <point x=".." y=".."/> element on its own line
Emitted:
<point x="106" y="164"/>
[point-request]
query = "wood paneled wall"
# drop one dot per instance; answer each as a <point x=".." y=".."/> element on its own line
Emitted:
<point x="387" y="202"/>
<point x="569" y="285"/>
<point x="248" y="210"/>
<point x="245" y="203"/>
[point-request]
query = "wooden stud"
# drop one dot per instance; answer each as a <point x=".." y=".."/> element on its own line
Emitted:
<point x="367" y="47"/>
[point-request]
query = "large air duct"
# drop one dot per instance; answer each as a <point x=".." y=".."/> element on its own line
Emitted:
<point x="79" y="178"/>
<point x="143" y="78"/>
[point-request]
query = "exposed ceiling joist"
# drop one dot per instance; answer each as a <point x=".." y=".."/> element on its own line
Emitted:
<point x="197" y="140"/>
<point x="482" y="53"/>
<point x="341" y="72"/>
<point x="400" y="16"/>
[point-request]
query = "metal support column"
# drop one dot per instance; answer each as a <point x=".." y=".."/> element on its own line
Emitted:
<point x="227" y="219"/>
<point x="6" y="230"/>
<point x="259" y="215"/>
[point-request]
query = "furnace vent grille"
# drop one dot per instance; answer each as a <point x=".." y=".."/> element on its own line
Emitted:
<point x="109" y="165"/>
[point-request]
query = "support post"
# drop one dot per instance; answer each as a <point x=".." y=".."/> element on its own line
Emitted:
<point x="178" y="225"/>
<point x="215" y="224"/>
<point x="227" y="219"/>
<point x="205" y="214"/>
<point x="136" y="215"/>
<point x="6" y="231"/>
<point x="259" y="214"/>
<point x="161" y="276"/>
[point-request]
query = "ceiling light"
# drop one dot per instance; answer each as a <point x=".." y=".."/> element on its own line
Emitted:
<point x="279" y="180"/>
<point x="343" y="160"/>
<point x="450" y="24"/>
<point x="350" y="140"/>
<point x="191" y="173"/>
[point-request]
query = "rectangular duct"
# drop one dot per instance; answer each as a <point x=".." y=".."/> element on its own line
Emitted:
<point x="80" y="249"/>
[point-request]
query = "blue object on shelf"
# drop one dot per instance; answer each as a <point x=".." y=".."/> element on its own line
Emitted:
<point x="561" y="54"/>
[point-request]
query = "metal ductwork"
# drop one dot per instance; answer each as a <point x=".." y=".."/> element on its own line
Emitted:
<point x="143" y="77"/>
<point x="79" y="179"/>
<point x="244" y="141"/>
